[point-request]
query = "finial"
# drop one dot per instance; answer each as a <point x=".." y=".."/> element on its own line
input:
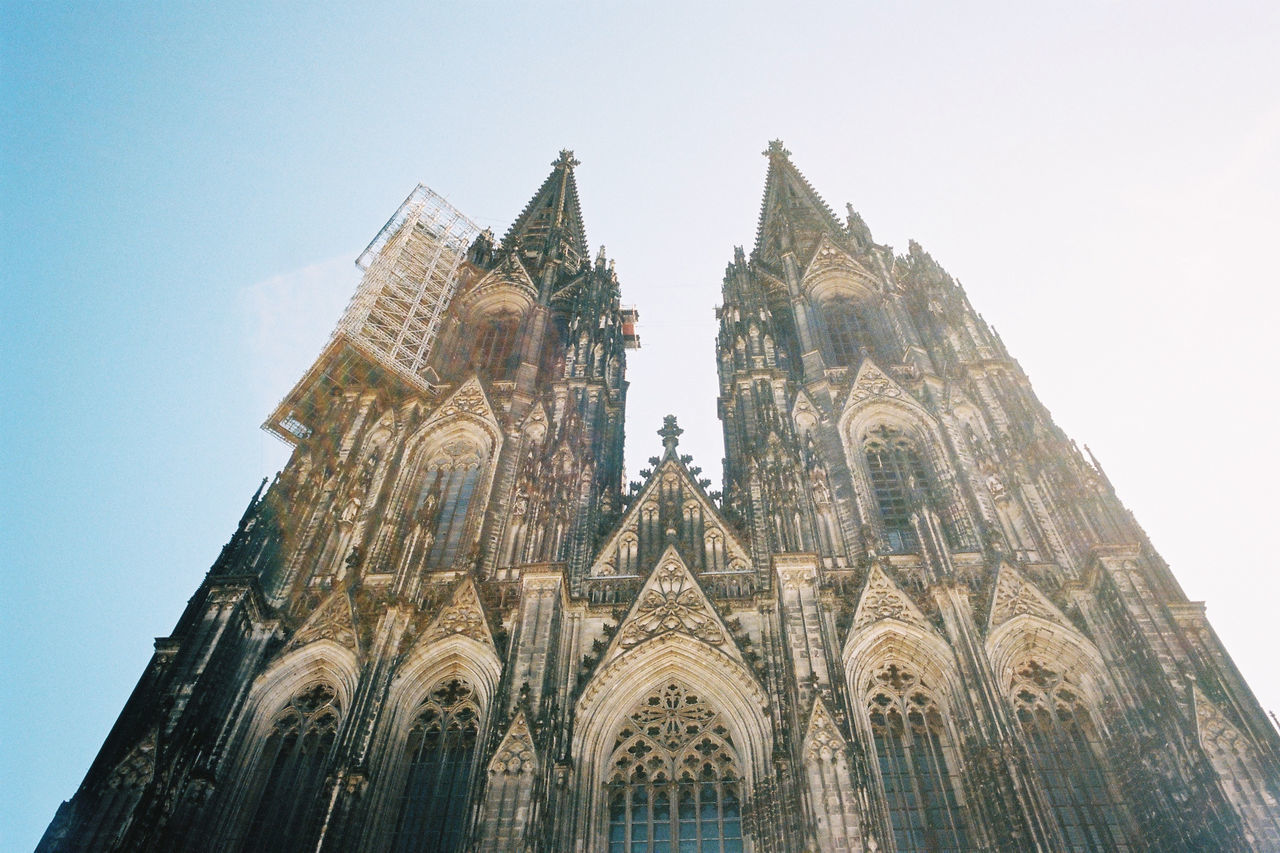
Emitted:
<point x="567" y="159"/>
<point x="670" y="434"/>
<point x="776" y="149"/>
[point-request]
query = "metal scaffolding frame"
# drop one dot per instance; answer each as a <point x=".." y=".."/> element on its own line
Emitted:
<point x="411" y="272"/>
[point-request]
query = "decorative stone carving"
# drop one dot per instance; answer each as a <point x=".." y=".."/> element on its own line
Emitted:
<point x="516" y="754"/>
<point x="823" y="741"/>
<point x="468" y="399"/>
<point x="873" y="382"/>
<point x="883" y="599"/>
<point x="463" y="615"/>
<point x="671" y="601"/>
<point x="332" y="620"/>
<point x="672" y="475"/>
<point x="1014" y="596"/>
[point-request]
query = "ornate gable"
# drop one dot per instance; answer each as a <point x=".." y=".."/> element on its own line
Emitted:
<point x="462" y="615"/>
<point x="669" y="470"/>
<point x="671" y="602"/>
<point x="333" y="620"/>
<point x="468" y="399"/>
<point x="509" y="275"/>
<point x="516" y="754"/>
<point x="872" y="383"/>
<point x="883" y="599"/>
<point x="1014" y="595"/>
<point x="804" y="414"/>
<point x="823" y="740"/>
<point x="832" y="270"/>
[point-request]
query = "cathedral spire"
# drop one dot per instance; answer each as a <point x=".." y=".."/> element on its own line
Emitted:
<point x="550" y="226"/>
<point x="793" y="217"/>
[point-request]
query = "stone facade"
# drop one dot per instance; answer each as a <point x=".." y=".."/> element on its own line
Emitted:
<point x="916" y="619"/>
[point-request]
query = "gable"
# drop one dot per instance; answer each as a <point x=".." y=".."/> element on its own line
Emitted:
<point x="462" y="615"/>
<point x="332" y="620"/>
<point x="883" y="599"/>
<point x="668" y="493"/>
<point x="671" y="602"/>
<point x="1014" y="596"/>
<point x="832" y="272"/>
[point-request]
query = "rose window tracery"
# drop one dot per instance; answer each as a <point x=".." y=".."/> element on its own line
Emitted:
<point x="674" y="783"/>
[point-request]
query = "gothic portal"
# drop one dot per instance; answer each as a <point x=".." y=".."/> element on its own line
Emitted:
<point x="917" y="619"/>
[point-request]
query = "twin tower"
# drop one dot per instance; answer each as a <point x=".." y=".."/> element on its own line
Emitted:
<point x="916" y="619"/>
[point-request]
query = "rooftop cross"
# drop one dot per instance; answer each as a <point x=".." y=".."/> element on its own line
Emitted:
<point x="567" y="159"/>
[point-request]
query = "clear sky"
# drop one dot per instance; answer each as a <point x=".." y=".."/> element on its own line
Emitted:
<point x="184" y="188"/>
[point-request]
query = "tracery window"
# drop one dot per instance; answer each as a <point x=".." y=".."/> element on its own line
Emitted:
<point x="1063" y="743"/>
<point x="847" y="332"/>
<point x="291" y="770"/>
<point x="444" y="498"/>
<point x="440" y="752"/>
<point x="911" y="747"/>
<point x="674" y="785"/>
<point x="898" y="482"/>
<point x="495" y="343"/>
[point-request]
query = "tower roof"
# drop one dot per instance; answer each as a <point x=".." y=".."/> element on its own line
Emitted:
<point x="552" y="220"/>
<point x="793" y="217"/>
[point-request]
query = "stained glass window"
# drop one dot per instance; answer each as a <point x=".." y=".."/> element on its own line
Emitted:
<point x="675" y="785"/>
<point x="291" y="771"/>
<point x="898" y="480"/>
<point x="847" y="332"/>
<point x="441" y="749"/>
<point x="445" y="497"/>
<point x="1063" y="744"/>
<point x="493" y="351"/>
<point x="911" y="746"/>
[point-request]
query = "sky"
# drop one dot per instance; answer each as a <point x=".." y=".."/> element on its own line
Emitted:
<point x="184" y="188"/>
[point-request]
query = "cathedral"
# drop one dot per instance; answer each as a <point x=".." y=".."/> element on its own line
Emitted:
<point x="915" y="617"/>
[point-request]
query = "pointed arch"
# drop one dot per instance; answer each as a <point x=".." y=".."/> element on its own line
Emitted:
<point x="1235" y="758"/>
<point x="437" y="712"/>
<point x="668" y="660"/>
<point x="891" y="445"/>
<point x="1056" y="684"/>
<point x="292" y="719"/>
<point x="907" y="694"/>
<point x="439" y="498"/>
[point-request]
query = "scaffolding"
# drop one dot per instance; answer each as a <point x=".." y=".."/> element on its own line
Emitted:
<point x="411" y="270"/>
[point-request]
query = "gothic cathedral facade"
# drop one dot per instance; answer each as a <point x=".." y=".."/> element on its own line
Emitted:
<point x="917" y="618"/>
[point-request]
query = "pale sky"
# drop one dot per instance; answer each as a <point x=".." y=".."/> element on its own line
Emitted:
<point x="184" y="191"/>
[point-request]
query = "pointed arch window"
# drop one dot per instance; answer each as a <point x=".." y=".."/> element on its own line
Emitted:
<point x="441" y="750"/>
<point x="847" y="331"/>
<point x="291" y="770"/>
<point x="911" y="749"/>
<point x="898" y="481"/>
<point x="674" y="784"/>
<point x="494" y="348"/>
<point x="1063" y="744"/>
<point x="444" y="499"/>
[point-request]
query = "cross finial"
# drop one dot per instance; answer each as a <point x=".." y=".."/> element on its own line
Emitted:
<point x="567" y="159"/>
<point x="670" y="433"/>
<point x="776" y="149"/>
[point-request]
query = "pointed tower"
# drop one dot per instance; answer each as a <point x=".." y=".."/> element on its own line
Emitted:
<point x="918" y="619"/>
<point x="881" y="444"/>
<point x="462" y="425"/>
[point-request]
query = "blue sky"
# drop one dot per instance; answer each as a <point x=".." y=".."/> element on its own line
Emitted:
<point x="184" y="187"/>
